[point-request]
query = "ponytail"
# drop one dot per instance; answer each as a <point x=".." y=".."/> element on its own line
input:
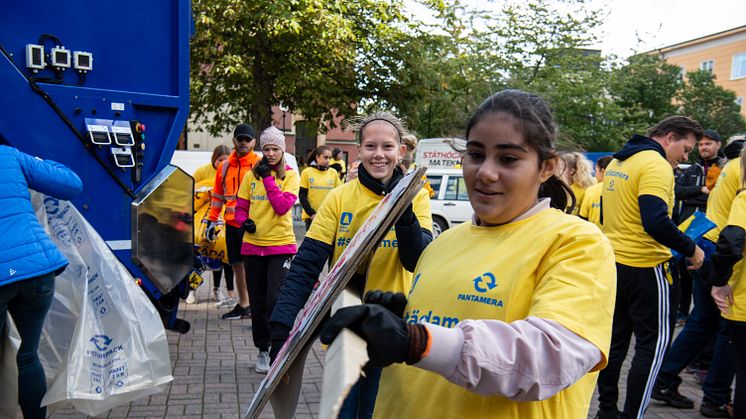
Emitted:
<point x="559" y="193"/>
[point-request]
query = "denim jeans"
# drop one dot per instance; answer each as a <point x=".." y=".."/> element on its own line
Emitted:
<point x="703" y="324"/>
<point x="28" y="302"/>
<point x="361" y="400"/>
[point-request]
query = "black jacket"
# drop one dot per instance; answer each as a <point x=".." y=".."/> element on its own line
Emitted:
<point x="689" y="182"/>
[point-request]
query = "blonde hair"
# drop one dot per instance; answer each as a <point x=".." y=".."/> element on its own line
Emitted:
<point x="581" y="169"/>
<point x="358" y="124"/>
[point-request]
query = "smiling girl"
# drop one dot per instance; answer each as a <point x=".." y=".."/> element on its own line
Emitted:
<point x="510" y="314"/>
<point x="340" y="216"/>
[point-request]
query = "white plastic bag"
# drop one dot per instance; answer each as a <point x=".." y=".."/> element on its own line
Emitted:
<point x="103" y="342"/>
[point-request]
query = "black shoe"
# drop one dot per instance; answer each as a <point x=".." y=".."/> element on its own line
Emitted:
<point x="672" y="397"/>
<point x="607" y="415"/>
<point x="711" y="411"/>
<point x="237" y="312"/>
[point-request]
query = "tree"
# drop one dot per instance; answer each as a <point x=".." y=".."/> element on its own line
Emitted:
<point x="311" y="56"/>
<point x="711" y="105"/>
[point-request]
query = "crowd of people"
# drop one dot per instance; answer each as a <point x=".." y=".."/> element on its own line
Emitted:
<point x="521" y="312"/>
<point x="484" y="323"/>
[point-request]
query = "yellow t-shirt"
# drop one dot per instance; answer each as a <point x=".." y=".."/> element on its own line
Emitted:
<point x="644" y="173"/>
<point x="737" y="311"/>
<point x="341" y="163"/>
<point x="564" y="273"/>
<point x="342" y="213"/>
<point x="319" y="183"/>
<point x="721" y="197"/>
<point x="271" y="229"/>
<point x="590" y="207"/>
<point x="579" y="193"/>
<point x="205" y="172"/>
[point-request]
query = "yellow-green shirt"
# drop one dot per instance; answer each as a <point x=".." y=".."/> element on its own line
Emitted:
<point x="644" y="173"/>
<point x="272" y="229"/>
<point x="340" y="216"/>
<point x="319" y="183"/>
<point x="590" y="207"/>
<point x="563" y="272"/>
<point x="737" y="311"/>
<point x="579" y="193"/>
<point x="721" y="197"/>
<point x="205" y="172"/>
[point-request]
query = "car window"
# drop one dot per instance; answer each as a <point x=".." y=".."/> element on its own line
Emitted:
<point x="435" y="182"/>
<point x="456" y="189"/>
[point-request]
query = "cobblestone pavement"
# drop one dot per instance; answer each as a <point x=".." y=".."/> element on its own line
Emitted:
<point x="214" y="375"/>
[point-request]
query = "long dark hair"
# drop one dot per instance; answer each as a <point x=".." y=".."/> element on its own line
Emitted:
<point x="315" y="152"/>
<point x="537" y="125"/>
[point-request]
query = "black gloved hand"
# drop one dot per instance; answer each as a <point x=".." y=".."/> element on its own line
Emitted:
<point x="263" y="168"/>
<point x="279" y="334"/>
<point x="211" y="231"/>
<point x="389" y="338"/>
<point x="407" y="218"/>
<point x="249" y="226"/>
<point x="394" y="302"/>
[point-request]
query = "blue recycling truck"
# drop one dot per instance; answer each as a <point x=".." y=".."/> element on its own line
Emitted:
<point x="103" y="87"/>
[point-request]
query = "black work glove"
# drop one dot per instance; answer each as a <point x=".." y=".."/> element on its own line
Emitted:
<point x="389" y="338"/>
<point x="394" y="302"/>
<point x="263" y="168"/>
<point x="249" y="226"/>
<point x="279" y="334"/>
<point x="407" y="218"/>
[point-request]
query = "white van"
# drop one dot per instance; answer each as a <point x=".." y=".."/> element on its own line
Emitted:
<point x="439" y="153"/>
<point x="450" y="205"/>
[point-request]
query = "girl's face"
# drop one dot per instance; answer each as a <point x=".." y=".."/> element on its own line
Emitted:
<point x="501" y="171"/>
<point x="273" y="153"/>
<point x="322" y="159"/>
<point x="380" y="150"/>
<point x="219" y="160"/>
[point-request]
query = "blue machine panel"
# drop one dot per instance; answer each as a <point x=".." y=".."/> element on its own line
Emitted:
<point x="138" y="54"/>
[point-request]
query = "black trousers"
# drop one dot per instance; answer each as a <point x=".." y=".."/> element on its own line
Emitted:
<point x="264" y="277"/>
<point x="737" y="333"/>
<point x="217" y="275"/>
<point x="643" y="307"/>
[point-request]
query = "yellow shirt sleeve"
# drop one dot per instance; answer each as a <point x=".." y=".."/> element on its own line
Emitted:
<point x="291" y="183"/>
<point x="656" y="180"/>
<point x="304" y="178"/>
<point x="421" y="208"/>
<point x="337" y="180"/>
<point x="585" y="206"/>
<point x="579" y="273"/>
<point x="243" y="190"/>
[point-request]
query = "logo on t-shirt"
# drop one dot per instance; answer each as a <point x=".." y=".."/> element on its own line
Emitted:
<point x="483" y="284"/>
<point x="344" y="222"/>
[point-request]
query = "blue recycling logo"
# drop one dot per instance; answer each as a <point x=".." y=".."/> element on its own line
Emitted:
<point x="101" y="342"/>
<point x="487" y="279"/>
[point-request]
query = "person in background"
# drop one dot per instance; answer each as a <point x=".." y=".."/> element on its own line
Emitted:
<point x="407" y="162"/>
<point x="29" y="262"/>
<point x="206" y="174"/>
<point x="705" y="328"/>
<point x="729" y="288"/>
<point x="265" y="200"/>
<point x="638" y="199"/>
<point x="228" y="179"/>
<point x="693" y="186"/>
<point x="316" y="181"/>
<point x="509" y="315"/>
<point x="576" y="172"/>
<point x="337" y="163"/>
<point x="590" y="206"/>
<point x="340" y="216"/>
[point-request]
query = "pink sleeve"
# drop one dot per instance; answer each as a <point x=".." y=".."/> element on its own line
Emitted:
<point x="242" y="210"/>
<point x="531" y="359"/>
<point x="281" y="202"/>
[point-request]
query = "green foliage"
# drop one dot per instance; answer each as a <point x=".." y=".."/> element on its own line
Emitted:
<point x="710" y="104"/>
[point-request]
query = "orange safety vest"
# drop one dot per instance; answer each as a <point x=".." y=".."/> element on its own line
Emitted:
<point x="228" y="178"/>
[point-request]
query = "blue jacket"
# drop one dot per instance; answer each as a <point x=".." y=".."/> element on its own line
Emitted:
<point x="25" y="249"/>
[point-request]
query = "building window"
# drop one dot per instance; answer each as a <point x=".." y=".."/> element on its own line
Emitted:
<point x="682" y="73"/>
<point x="707" y="65"/>
<point x="739" y="101"/>
<point x="738" y="70"/>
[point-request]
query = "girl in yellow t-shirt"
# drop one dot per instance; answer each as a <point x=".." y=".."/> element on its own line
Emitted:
<point x="316" y="181"/>
<point x="265" y="200"/>
<point x="509" y="315"/>
<point x="575" y="170"/>
<point x="729" y="287"/>
<point x="339" y="217"/>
